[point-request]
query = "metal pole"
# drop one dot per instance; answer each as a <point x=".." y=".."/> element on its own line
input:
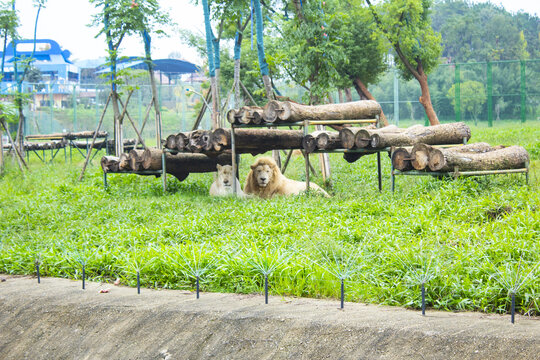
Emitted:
<point x="105" y="180"/>
<point x="489" y="74"/>
<point x="197" y="287"/>
<point x="266" y="289"/>
<point x="513" y="308"/>
<point x="423" y="300"/>
<point x="138" y="282"/>
<point x="306" y="130"/>
<point x="379" y="174"/>
<point x="37" y="272"/>
<point x="523" y="91"/>
<point x="234" y="164"/>
<point x="396" y="98"/>
<point x="457" y="95"/>
<point x="393" y="178"/>
<point x="83" y="276"/>
<point x="342" y="293"/>
<point x="164" y="170"/>
<point x="74" y="107"/>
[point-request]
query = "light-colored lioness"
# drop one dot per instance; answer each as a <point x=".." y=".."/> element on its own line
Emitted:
<point x="223" y="185"/>
<point x="266" y="180"/>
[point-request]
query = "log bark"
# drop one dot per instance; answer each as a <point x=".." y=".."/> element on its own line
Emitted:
<point x="256" y="141"/>
<point x="287" y="111"/>
<point x="513" y="157"/>
<point x="124" y="162"/>
<point x="362" y="89"/>
<point x="135" y="159"/>
<point x="170" y="142"/>
<point x="180" y="165"/>
<point x="452" y="133"/>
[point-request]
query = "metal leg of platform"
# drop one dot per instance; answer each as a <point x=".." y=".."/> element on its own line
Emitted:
<point x="379" y="174"/>
<point x="164" y="172"/>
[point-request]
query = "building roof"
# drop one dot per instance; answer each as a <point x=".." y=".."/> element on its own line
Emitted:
<point x="166" y="66"/>
<point x="46" y="50"/>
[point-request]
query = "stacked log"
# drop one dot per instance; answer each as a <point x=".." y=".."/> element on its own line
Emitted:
<point x="44" y="145"/>
<point x="289" y="112"/>
<point x="178" y="165"/>
<point x="254" y="141"/>
<point x="322" y="140"/>
<point x="472" y="157"/>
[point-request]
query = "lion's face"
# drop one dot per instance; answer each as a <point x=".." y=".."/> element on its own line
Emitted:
<point x="263" y="174"/>
<point x="225" y="175"/>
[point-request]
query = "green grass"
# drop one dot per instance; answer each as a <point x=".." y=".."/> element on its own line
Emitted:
<point x="471" y="240"/>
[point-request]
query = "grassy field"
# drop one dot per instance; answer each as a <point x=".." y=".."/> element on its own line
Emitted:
<point x="471" y="241"/>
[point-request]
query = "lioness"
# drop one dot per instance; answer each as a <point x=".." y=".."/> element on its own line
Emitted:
<point x="266" y="180"/>
<point x="223" y="185"/>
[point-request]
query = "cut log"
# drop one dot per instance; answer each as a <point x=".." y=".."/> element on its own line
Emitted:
<point x="401" y="159"/>
<point x="199" y="141"/>
<point x="362" y="138"/>
<point x="109" y="164"/>
<point x="69" y="135"/>
<point x="288" y="111"/>
<point x="309" y="142"/>
<point x="447" y="160"/>
<point x="452" y="133"/>
<point x="180" y="165"/>
<point x="170" y="142"/>
<point x="347" y="136"/>
<point x="135" y="159"/>
<point x="124" y="162"/>
<point x="328" y="140"/>
<point x="231" y="116"/>
<point x="180" y="141"/>
<point x="420" y="156"/>
<point x="256" y="141"/>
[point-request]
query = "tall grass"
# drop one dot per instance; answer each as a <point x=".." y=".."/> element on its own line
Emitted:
<point x="463" y="238"/>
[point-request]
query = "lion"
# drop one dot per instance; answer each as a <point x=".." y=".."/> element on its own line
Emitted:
<point x="266" y="180"/>
<point x="223" y="185"/>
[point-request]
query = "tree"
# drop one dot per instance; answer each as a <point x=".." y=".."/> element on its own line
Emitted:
<point x="472" y="97"/>
<point x="117" y="20"/>
<point x="407" y="27"/>
<point x="9" y="22"/>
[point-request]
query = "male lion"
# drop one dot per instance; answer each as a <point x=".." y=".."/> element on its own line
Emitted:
<point x="266" y="180"/>
<point x="223" y="185"/>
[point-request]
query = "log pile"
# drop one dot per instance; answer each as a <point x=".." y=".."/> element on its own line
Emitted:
<point x="358" y="138"/>
<point x="322" y="140"/>
<point x="253" y="141"/>
<point x="178" y="165"/>
<point x="472" y="157"/>
<point x="275" y="112"/>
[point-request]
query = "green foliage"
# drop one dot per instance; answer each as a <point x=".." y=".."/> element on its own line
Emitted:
<point x="472" y="97"/>
<point x="363" y="49"/>
<point x="407" y="26"/>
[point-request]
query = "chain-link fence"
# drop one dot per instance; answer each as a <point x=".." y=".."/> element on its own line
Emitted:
<point x="486" y="94"/>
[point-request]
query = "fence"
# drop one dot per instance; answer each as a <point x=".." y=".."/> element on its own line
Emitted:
<point x="488" y="93"/>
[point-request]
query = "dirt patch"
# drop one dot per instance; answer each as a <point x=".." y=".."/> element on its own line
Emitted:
<point x="56" y="319"/>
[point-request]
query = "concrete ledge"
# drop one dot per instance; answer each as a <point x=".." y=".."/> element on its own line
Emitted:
<point x="58" y="320"/>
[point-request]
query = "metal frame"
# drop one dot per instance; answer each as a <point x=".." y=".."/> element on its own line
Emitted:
<point x="305" y="124"/>
<point x="162" y="173"/>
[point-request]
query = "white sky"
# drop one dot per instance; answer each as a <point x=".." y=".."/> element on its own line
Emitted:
<point x="65" y="21"/>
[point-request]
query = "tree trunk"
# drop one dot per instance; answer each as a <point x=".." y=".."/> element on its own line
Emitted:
<point x="425" y="100"/>
<point x="287" y="111"/>
<point x="215" y="103"/>
<point x="513" y="157"/>
<point x="340" y="96"/>
<point x="348" y="94"/>
<point x="452" y="133"/>
<point x="183" y="164"/>
<point x="118" y="133"/>
<point x="362" y="89"/>
<point x="257" y="141"/>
